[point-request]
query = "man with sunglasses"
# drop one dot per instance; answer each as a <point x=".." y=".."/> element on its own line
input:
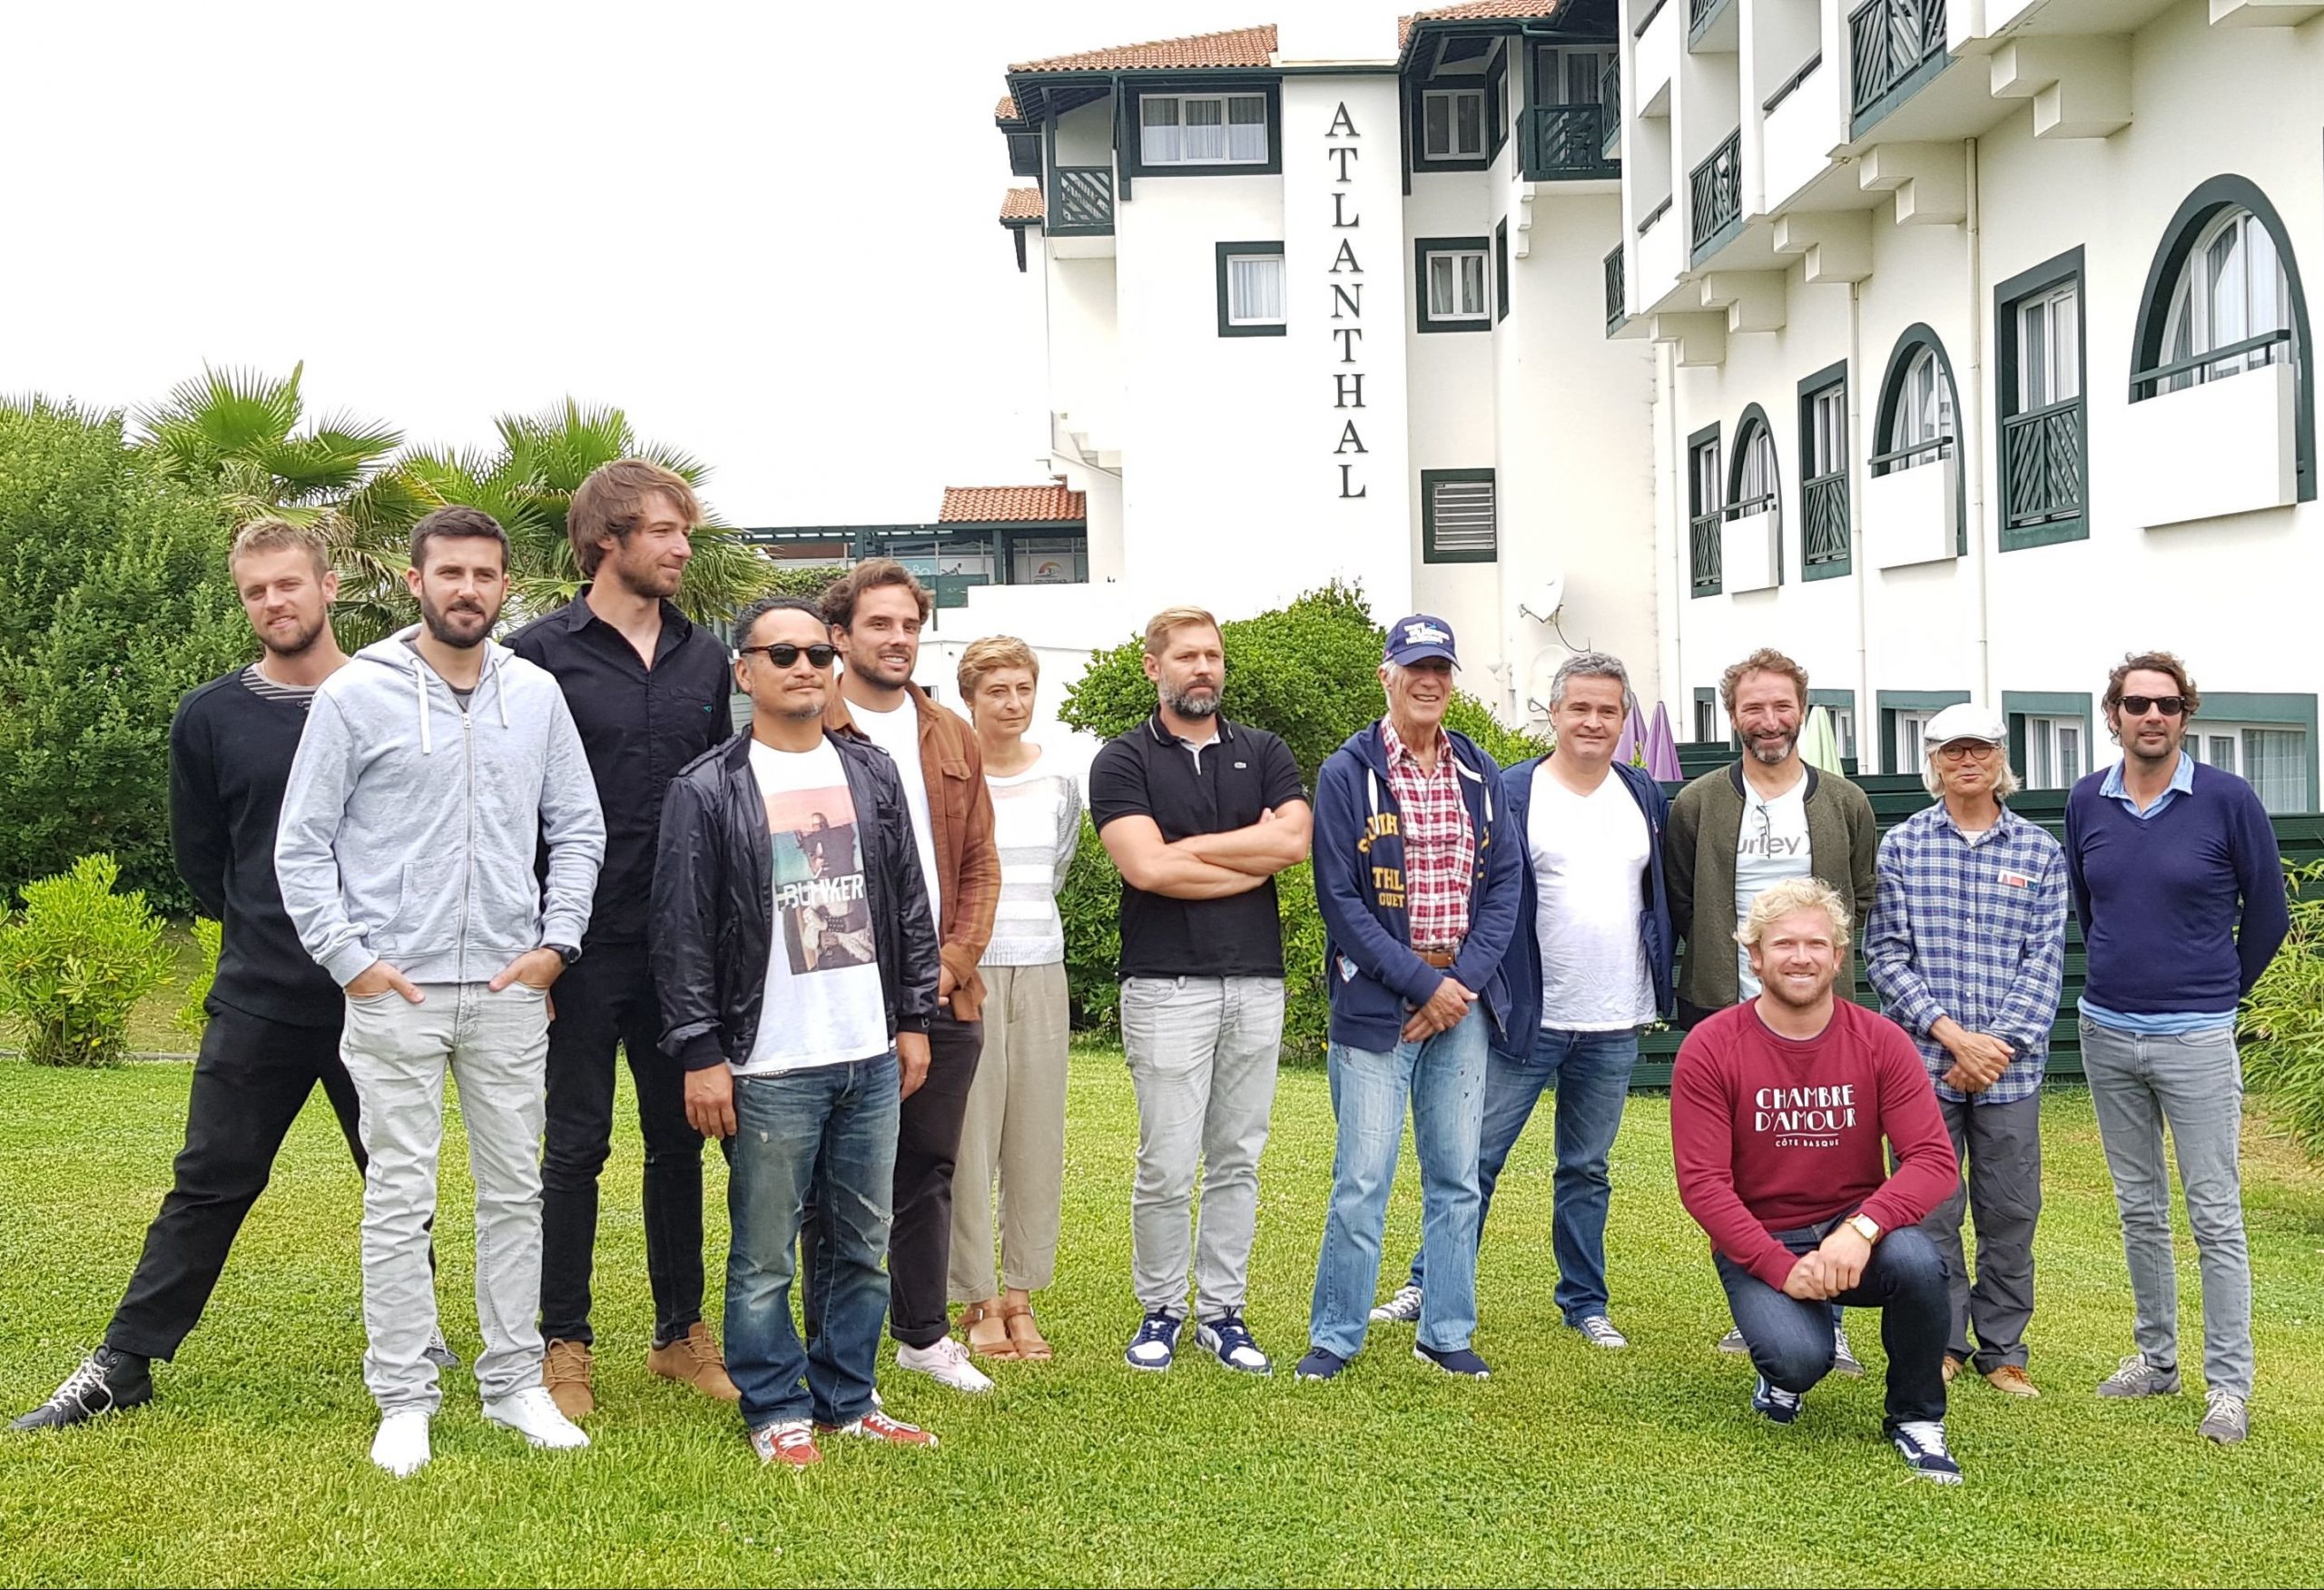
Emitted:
<point x="798" y="1051"/>
<point x="2181" y="895"/>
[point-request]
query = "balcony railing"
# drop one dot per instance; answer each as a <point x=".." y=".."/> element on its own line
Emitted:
<point x="1567" y="143"/>
<point x="1617" y="290"/>
<point x="1083" y="202"/>
<point x="1825" y="539"/>
<point x="1703" y="553"/>
<point x="2232" y="359"/>
<point x="1700" y="13"/>
<point x="1912" y="456"/>
<point x="1609" y="100"/>
<point x="2041" y="461"/>
<point x="1888" y="42"/>
<point x="1716" y="191"/>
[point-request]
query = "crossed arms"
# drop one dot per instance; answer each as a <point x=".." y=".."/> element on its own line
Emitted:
<point x="1208" y="867"/>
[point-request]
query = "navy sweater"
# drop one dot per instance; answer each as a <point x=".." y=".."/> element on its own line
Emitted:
<point x="2181" y="911"/>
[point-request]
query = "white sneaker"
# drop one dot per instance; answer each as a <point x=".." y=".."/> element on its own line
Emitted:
<point x="532" y="1413"/>
<point x="946" y="1363"/>
<point x="401" y="1446"/>
<point x="1401" y="1309"/>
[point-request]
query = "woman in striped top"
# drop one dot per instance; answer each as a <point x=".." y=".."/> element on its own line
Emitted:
<point x="1015" y="1129"/>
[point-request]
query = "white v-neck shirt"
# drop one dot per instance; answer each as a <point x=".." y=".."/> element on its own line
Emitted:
<point x="1589" y="857"/>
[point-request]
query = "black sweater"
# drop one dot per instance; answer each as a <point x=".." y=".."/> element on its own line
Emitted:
<point x="230" y="757"/>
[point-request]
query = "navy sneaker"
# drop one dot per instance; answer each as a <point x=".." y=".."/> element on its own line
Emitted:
<point x="1320" y="1364"/>
<point x="1780" y="1406"/>
<point x="108" y="1381"/>
<point x="1225" y="1337"/>
<point x="1457" y="1360"/>
<point x="1921" y="1441"/>
<point x="1156" y="1343"/>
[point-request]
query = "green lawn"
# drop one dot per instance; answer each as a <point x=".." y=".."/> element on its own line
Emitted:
<point x="1569" y="1466"/>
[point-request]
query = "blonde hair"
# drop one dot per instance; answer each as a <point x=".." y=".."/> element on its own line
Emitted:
<point x="990" y="655"/>
<point x="1159" y="627"/>
<point x="1778" y="900"/>
<point x="280" y="535"/>
<point x="1766" y="660"/>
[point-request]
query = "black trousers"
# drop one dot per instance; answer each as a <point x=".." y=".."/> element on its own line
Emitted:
<point x="607" y="1001"/>
<point x="919" y="1237"/>
<point x="251" y="1079"/>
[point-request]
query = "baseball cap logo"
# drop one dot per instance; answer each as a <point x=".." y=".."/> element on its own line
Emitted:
<point x="1425" y="635"/>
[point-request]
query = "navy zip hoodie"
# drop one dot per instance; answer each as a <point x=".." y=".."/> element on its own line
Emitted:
<point x="1376" y="979"/>
<point x="1523" y="968"/>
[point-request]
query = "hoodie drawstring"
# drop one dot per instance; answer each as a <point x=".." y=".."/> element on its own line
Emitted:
<point x="419" y="689"/>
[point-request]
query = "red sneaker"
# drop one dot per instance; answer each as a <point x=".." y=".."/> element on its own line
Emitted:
<point x="786" y="1441"/>
<point x="876" y="1426"/>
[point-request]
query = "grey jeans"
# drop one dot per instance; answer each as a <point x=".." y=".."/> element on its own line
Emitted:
<point x="2193" y="1084"/>
<point x="2003" y="1144"/>
<point x="496" y="1047"/>
<point x="1202" y="1056"/>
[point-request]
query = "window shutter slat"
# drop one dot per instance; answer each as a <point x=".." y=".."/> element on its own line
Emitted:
<point x="1464" y="516"/>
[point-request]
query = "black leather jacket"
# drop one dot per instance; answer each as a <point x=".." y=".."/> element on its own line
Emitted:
<point x="713" y="900"/>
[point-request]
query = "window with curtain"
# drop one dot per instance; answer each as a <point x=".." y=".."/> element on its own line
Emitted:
<point x="2232" y="288"/>
<point x="1922" y="425"/>
<point x="1456" y="285"/>
<point x="2055" y="754"/>
<point x="1254" y="290"/>
<point x="2271" y="757"/>
<point x="2049" y="347"/>
<point x="1203" y="129"/>
<point x="1828" y="433"/>
<point x="1755" y="479"/>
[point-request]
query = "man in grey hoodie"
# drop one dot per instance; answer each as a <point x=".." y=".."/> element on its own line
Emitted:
<point x="432" y="767"/>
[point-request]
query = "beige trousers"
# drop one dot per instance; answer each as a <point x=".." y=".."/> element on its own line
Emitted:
<point x="1014" y="1134"/>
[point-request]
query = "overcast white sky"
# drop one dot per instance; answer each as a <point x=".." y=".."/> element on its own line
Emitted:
<point x="768" y="233"/>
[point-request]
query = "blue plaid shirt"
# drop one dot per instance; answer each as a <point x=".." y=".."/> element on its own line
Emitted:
<point x="1975" y="932"/>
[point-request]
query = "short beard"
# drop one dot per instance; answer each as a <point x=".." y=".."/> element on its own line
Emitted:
<point x="647" y="582"/>
<point x="1186" y="704"/>
<point x="1774" y="988"/>
<point x="440" y="625"/>
<point x="1760" y="754"/>
<point x="304" y="643"/>
<point x="799" y="714"/>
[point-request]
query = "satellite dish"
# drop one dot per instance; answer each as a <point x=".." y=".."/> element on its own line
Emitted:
<point x="1542" y="605"/>
<point x="1538" y="679"/>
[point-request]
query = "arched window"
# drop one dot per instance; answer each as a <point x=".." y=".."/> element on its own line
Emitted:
<point x="1754" y="488"/>
<point x="2223" y="296"/>
<point x="1917" y="425"/>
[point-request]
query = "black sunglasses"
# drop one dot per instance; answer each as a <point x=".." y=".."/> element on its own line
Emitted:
<point x="782" y="654"/>
<point x="2169" y="706"/>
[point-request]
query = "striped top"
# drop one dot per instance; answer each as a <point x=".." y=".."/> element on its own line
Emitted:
<point x="1037" y="826"/>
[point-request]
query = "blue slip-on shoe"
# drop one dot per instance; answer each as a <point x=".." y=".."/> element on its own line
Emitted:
<point x="1922" y="1442"/>
<point x="1455" y="1360"/>
<point x="1780" y="1406"/>
<point x="1227" y="1338"/>
<point x="1320" y="1364"/>
<point x="1156" y="1343"/>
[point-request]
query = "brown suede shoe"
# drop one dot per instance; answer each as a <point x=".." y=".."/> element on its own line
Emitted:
<point x="695" y="1359"/>
<point x="2012" y="1381"/>
<point x="565" y="1372"/>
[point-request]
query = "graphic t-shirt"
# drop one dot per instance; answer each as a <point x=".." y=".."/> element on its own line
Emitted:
<point x="898" y="734"/>
<point x="1589" y="856"/>
<point x="824" y="1005"/>
<point x="1771" y="846"/>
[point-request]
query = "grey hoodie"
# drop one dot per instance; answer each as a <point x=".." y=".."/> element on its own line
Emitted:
<point x="409" y="826"/>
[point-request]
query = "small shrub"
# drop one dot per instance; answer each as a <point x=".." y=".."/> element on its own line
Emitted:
<point x="193" y="1015"/>
<point x="2282" y="1022"/>
<point x="1508" y="747"/>
<point x="1091" y="904"/>
<point x="76" y="962"/>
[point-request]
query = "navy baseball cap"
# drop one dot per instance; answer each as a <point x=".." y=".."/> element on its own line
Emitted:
<point x="1411" y="639"/>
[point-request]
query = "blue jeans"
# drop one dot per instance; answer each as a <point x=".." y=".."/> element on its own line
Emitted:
<point x="1443" y="1077"/>
<point x="824" y="1135"/>
<point x="1790" y="1338"/>
<point x="1591" y="1074"/>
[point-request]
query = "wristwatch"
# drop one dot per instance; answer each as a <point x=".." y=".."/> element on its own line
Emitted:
<point x="564" y="952"/>
<point x="1864" y="1226"/>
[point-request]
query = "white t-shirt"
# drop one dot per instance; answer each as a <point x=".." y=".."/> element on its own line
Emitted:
<point x="1590" y="859"/>
<point x="1771" y="846"/>
<point x="824" y="1005"/>
<point x="898" y="734"/>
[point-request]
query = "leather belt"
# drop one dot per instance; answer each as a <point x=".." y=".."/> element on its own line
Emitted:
<point x="1439" y="958"/>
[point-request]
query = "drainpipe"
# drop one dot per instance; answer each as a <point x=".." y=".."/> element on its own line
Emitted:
<point x="1971" y="407"/>
<point x="1861" y="559"/>
<point x="1682" y="579"/>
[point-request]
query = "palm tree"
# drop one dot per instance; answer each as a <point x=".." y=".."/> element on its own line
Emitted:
<point x="236" y="433"/>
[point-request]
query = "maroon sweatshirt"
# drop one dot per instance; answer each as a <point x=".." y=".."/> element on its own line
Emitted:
<point x="1772" y="1134"/>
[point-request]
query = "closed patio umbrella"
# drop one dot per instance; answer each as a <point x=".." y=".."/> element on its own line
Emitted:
<point x="1819" y="744"/>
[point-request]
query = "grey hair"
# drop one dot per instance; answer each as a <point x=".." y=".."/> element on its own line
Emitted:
<point x="2004" y="783"/>
<point x="1589" y="666"/>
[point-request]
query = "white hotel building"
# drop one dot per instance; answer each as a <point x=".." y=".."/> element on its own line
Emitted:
<point x="1955" y="346"/>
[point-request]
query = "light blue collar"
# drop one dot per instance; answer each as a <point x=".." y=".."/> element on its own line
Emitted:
<point x="2183" y="779"/>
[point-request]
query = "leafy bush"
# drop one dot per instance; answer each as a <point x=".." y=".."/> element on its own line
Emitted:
<point x="77" y="961"/>
<point x="118" y="603"/>
<point x="193" y="1015"/>
<point x="1091" y="903"/>
<point x="2282" y="1022"/>
<point x="1468" y="715"/>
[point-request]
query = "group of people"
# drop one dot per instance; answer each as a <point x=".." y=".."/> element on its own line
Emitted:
<point x="832" y="945"/>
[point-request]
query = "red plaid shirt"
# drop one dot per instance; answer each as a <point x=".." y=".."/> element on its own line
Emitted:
<point x="1440" y="846"/>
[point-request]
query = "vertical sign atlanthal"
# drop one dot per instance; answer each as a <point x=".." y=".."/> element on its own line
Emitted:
<point x="1342" y="151"/>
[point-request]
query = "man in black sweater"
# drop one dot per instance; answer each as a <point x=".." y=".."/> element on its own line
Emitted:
<point x="274" y="1014"/>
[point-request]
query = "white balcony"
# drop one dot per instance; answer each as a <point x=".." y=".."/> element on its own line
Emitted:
<point x="1661" y="257"/>
<point x="1914" y="515"/>
<point x="1655" y="59"/>
<point x="2226" y="446"/>
<point x="1799" y="136"/>
<point x="1750" y="552"/>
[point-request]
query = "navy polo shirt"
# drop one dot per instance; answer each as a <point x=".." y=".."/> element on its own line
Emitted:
<point x="1150" y="772"/>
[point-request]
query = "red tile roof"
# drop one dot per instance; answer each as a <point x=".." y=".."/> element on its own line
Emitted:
<point x="1475" y="11"/>
<point x="1242" y="46"/>
<point x="1013" y="504"/>
<point x="1006" y="110"/>
<point x="1021" y="206"/>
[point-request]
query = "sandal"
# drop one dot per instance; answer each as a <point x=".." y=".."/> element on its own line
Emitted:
<point x="1024" y="1337"/>
<point x="996" y="1342"/>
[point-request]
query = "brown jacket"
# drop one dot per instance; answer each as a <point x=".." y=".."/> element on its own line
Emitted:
<point x="968" y="863"/>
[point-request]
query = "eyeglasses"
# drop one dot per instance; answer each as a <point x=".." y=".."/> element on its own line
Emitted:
<point x="782" y="654"/>
<point x="2169" y="706"/>
<point x="1962" y="749"/>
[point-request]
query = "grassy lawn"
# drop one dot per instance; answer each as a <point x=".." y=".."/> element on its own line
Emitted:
<point x="1569" y="1466"/>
